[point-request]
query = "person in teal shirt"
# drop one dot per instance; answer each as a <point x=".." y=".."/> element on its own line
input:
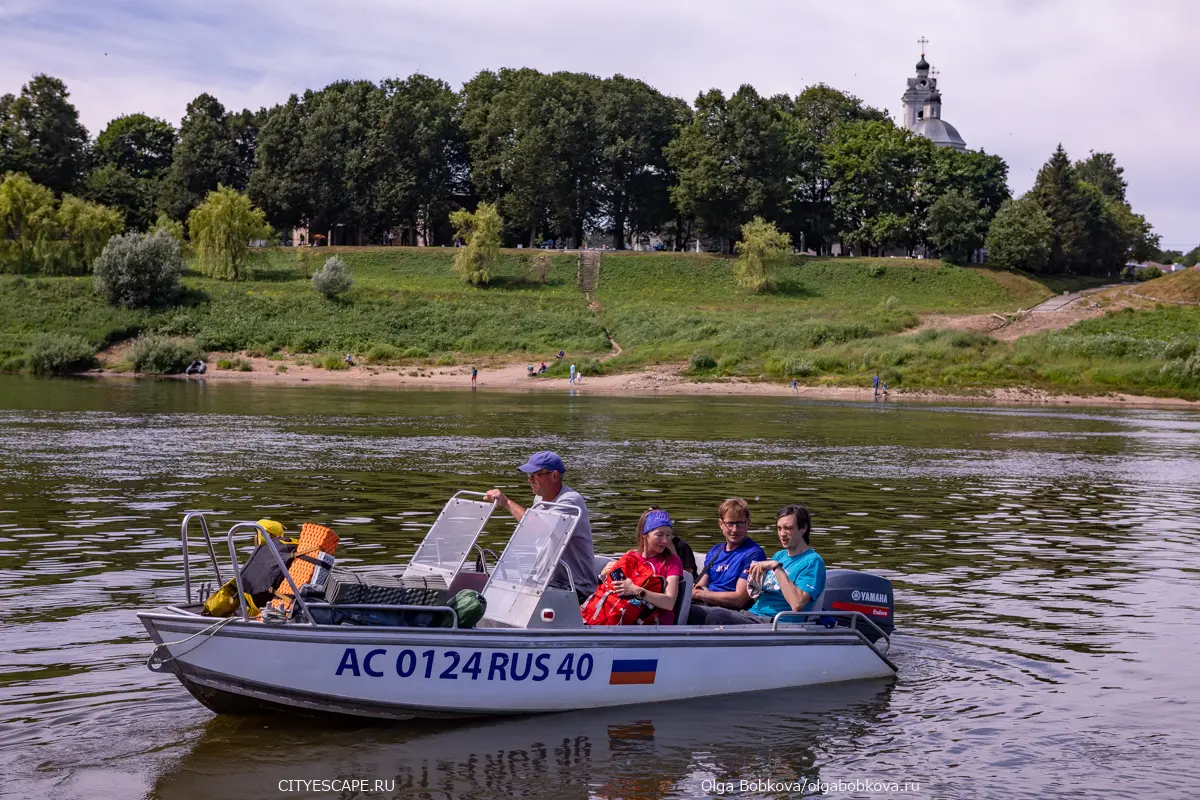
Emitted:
<point x="792" y="580"/>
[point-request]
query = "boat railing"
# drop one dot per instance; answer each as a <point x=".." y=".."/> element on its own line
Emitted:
<point x="853" y="616"/>
<point x="269" y="543"/>
<point x="187" y="553"/>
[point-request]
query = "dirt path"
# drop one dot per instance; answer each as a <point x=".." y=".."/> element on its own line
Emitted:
<point x="1058" y="312"/>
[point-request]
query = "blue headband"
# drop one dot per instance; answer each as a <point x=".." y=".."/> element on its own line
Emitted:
<point x="656" y="519"/>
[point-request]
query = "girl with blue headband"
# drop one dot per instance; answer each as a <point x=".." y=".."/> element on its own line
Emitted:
<point x="654" y="546"/>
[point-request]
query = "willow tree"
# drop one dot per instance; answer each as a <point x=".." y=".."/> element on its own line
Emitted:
<point x="762" y="245"/>
<point x="480" y="233"/>
<point x="221" y="229"/>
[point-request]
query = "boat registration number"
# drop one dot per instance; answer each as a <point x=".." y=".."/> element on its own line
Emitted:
<point x="473" y="665"/>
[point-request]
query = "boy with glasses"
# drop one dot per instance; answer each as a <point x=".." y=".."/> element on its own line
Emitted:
<point x="724" y="580"/>
<point x="545" y="470"/>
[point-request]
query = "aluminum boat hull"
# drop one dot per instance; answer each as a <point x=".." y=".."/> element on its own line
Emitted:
<point x="402" y="673"/>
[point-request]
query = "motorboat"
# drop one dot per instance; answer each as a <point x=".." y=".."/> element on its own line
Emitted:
<point x="530" y="653"/>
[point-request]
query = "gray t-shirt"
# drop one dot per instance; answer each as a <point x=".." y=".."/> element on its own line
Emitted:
<point x="578" y="555"/>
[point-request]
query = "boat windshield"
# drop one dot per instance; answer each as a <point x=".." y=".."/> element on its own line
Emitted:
<point x="449" y="541"/>
<point x="531" y="557"/>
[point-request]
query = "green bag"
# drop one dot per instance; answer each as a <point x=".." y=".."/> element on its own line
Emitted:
<point x="469" y="605"/>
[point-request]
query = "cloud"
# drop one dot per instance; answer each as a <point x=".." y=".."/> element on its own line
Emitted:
<point x="1018" y="77"/>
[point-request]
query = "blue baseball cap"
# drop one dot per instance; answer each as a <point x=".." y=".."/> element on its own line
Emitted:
<point x="543" y="459"/>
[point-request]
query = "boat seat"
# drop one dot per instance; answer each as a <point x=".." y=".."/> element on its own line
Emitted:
<point x="683" y="603"/>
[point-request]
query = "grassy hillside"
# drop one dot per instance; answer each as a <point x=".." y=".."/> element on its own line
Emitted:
<point x="405" y="298"/>
<point x="825" y="321"/>
<point x="669" y="306"/>
<point x="1174" y="287"/>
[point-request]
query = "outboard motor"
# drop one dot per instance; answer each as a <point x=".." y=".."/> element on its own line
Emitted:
<point x="870" y="595"/>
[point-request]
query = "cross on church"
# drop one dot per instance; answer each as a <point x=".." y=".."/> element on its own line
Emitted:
<point x="922" y="41"/>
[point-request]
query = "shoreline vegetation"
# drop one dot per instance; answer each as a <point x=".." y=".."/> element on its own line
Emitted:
<point x="931" y="331"/>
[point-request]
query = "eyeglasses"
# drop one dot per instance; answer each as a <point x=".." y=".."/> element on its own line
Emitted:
<point x="734" y="523"/>
<point x="539" y="473"/>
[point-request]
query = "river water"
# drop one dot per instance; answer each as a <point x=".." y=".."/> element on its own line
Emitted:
<point x="1044" y="561"/>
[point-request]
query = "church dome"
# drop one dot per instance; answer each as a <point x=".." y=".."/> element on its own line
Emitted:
<point x="922" y="64"/>
<point x="941" y="133"/>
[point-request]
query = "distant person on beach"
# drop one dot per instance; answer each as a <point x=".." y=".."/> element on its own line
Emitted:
<point x="349" y="360"/>
<point x="561" y="354"/>
<point x="572" y="378"/>
<point x="885" y="390"/>
<point x="875" y="381"/>
<point x="474" y="376"/>
<point x="542" y="368"/>
<point x="794" y="389"/>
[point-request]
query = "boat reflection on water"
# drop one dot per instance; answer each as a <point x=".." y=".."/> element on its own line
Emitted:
<point x="646" y="752"/>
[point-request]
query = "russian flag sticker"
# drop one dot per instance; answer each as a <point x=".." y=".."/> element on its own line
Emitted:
<point x="633" y="670"/>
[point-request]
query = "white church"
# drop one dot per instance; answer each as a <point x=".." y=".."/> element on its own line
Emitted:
<point x="923" y="109"/>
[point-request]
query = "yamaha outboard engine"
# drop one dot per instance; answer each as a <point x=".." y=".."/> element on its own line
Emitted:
<point x="870" y="595"/>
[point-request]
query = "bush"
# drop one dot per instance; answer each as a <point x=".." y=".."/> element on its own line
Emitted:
<point x="136" y="271"/>
<point x="1148" y="274"/>
<point x="161" y="355"/>
<point x="701" y="362"/>
<point x="333" y="279"/>
<point x="1180" y="348"/>
<point x="382" y="354"/>
<point x="59" y="353"/>
<point x="445" y="360"/>
<point x="416" y="352"/>
<point x="235" y="364"/>
<point x="331" y="361"/>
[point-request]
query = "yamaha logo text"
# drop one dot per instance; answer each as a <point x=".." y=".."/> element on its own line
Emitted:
<point x="869" y="597"/>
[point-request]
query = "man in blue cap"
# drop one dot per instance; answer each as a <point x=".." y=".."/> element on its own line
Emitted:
<point x="545" y="470"/>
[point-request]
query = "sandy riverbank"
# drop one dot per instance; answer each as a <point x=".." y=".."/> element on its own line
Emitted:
<point x="652" y="381"/>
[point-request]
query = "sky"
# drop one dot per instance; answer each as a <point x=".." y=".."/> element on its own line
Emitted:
<point x="1017" y="76"/>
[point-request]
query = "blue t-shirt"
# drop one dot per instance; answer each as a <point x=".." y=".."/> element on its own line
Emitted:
<point x="806" y="571"/>
<point x="724" y="567"/>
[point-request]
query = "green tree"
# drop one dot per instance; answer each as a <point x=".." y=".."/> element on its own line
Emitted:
<point x="28" y="225"/>
<point x="112" y="186"/>
<point x="171" y="227"/>
<point x="1102" y="171"/>
<point x="315" y="165"/>
<point x="1058" y="192"/>
<point x="957" y="226"/>
<point x="419" y="151"/>
<point x="1021" y="236"/>
<point x="480" y="231"/>
<point x="40" y="135"/>
<point x="535" y="149"/>
<point x="1190" y="258"/>
<point x="738" y="158"/>
<point x="214" y="149"/>
<point x="819" y="109"/>
<point x="87" y="228"/>
<point x="136" y="144"/>
<point x="129" y="159"/>
<point x="874" y="170"/>
<point x="221" y="229"/>
<point x="761" y="246"/>
<point x="636" y="124"/>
